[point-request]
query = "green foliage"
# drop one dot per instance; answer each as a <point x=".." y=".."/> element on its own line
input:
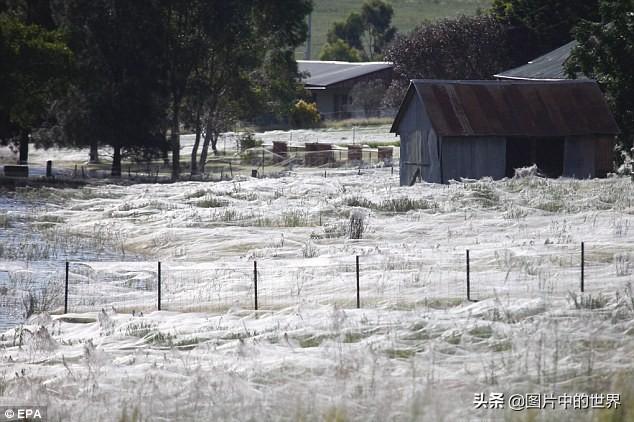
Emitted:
<point x="402" y="204"/>
<point x="230" y="79"/>
<point x="606" y="53"/>
<point x="407" y="14"/>
<point x="463" y="48"/>
<point x="117" y="97"/>
<point x="348" y="31"/>
<point x="211" y="202"/>
<point x="364" y="34"/>
<point x="377" y="18"/>
<point x="304" y="115"/>
<point x="248" y="140"/>
<point x="34" y="68"/>
<point x="278" y="84"/>
<point x="339" y="50"/>
<point x="550" y="22"/>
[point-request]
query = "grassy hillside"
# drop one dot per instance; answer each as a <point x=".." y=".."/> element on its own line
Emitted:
<point x="407" y="14"/>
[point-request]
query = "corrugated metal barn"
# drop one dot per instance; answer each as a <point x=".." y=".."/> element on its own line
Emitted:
<point x="472" y="129"/>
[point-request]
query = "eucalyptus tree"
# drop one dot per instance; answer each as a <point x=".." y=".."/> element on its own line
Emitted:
<point x="34" y="66"/>
<point x="117" y="97"/>
<point x="246" y="66"/>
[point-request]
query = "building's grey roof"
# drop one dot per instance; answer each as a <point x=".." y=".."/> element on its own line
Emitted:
<point x="550" y="66"/>
<point x="322" y="74"/>
<point x="512" y="108"/>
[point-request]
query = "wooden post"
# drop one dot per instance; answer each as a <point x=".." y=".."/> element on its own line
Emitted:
<point x="582" y="265"/>
<point x="66" y="291"/>
<point x="358" y="295"/>
<point x="468" y="279"/>
<point x="159" y="284"/>
<point x="255" y="282"/>
<point x="230" y="169"/>
<point x="49" y="169"/>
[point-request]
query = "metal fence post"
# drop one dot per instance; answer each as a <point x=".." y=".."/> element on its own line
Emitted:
<point x="66" y="291"/>
<point x="255" y="282"/>
<point x="468" y="278"/>
<point x="582" y="265"/>
<point x="159" y="284"/>
<point x="358" y="296"/>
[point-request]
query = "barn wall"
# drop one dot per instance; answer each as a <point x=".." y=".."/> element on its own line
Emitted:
<point x="433" y="171"/>
<point x="579" y="157"/>
<point x="325" y="102"/>
<point x="604" y="155"/>
<point x="419" y="145"/>
<point x="473" y="157"/>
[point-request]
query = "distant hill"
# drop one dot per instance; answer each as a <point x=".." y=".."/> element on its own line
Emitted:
<point x="407" y="15"/>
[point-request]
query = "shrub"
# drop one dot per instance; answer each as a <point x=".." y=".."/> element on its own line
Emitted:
<point x="304" y="115"/>
<point x="211" y="202"/>
<point x="248" y="140"/>
<point x="357" y="225"/>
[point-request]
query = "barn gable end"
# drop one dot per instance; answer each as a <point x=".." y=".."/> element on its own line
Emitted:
<point x="419" y="151"/>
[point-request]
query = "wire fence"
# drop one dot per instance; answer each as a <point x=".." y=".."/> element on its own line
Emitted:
<point x="367" y="281"/>
<point x="124" y="286"/>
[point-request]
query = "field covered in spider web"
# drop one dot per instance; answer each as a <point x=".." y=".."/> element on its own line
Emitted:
<point x="416" y="350"/>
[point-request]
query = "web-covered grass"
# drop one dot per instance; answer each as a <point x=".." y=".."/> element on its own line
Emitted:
<point x="417" y="350"/>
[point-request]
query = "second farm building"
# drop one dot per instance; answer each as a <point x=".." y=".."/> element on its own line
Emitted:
<point x="472" y="129"/>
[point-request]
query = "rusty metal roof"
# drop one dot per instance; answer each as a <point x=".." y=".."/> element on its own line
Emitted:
<point x="513" y="108"/>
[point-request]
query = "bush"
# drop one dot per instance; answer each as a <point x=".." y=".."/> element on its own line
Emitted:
<point x="248" y="140"/>
<point x="357" y="225"/>
<point x="304" y="115"/>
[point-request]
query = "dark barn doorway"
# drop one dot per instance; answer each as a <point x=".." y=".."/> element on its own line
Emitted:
<point x="547" y="153"/>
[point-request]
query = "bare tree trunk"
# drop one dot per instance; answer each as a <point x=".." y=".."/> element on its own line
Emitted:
<point x="24" y="148"/>
<point x="116" y="162"/>
<point x="175" y="141"/>
<point x="194" y="163"/>
<point x="214" y="142"/>
<point x="94" y="153"/>
<point x="203" y="153"/>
